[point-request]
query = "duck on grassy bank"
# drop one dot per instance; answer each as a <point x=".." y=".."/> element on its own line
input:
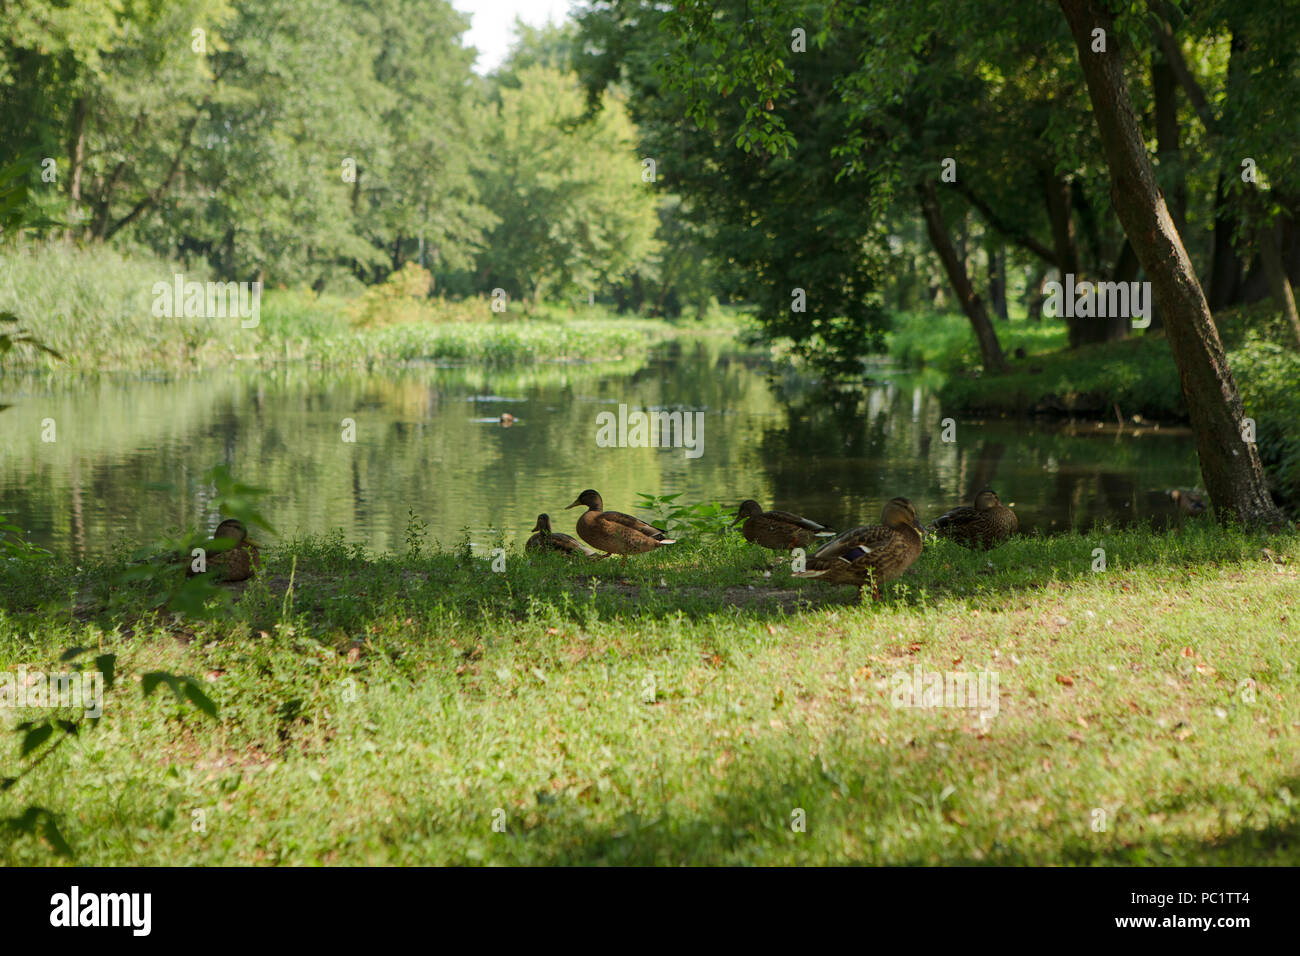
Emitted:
<point x="986" y="525"/>
<point x="874" y="553"/>
<point x="547" y="540"/>
<point x="614" y="532"/>
<point x="231" y="555"/>
<point x="777" y="530"/>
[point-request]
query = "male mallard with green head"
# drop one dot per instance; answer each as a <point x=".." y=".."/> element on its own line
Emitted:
<point x="547" y="540"/>
<point x="777" y="530"/>
<point x="231" y="555"/>
<point x="876" y="553"/>
<point x="985" y="526"/>
<point x="614" y="532"/>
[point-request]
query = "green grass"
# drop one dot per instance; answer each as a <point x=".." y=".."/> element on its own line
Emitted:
<point x="95" y="307"/>
<point x="945" y="339"/>
<point x="385" y="708"/>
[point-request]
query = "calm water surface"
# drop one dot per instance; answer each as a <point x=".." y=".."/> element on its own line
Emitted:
<point x="129" y="453"/>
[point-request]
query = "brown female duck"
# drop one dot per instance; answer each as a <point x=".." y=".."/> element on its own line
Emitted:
<point x="547" y="540"/>
<point x="231" y="555"/>
<point x="614" y="532"/>
<point x="1189" y="502"/>
<point x="777" y="530"/>
<point x="876" y="553"/>
<point x="985" y="526"/>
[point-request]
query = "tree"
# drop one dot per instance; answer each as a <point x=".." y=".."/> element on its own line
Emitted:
<point x="574" y="211"/>
<point x="1230" y="465"/>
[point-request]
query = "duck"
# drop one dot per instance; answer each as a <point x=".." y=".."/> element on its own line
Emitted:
<point x="1189" y="502"/>
<point x="614" y="532"/>
<point x="986" y="525"/>
<point x="547" y="540"/>
<point x="777" y="530"/>
<point x="231" y="555"/>
<point x="876" y="553"/>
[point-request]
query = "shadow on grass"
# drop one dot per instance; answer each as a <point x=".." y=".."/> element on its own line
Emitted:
<point x="857" y="813"/>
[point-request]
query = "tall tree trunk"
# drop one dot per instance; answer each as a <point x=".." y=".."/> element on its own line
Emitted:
<point x="1226" y="271"/>
<point x="1056" y="194"/>
<point x="1231" y="467"/>
<point x="1034" y="297"/>
<point x="76" y="160"/>
<point x="1168" y="143"/>
<point x="1279" y="285"/>
<point x="997" y="276"/>
<point x="971" y="303"/>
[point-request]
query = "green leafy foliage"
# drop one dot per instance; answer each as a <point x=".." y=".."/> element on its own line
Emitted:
<point x="696" y="520"/>
<point x="574" y="212"/>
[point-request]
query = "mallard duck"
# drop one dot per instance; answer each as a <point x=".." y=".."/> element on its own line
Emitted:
<point x="778" y="530"/>
<point x="547" y="540"/>
<point x="231" y="555"/>
<point x="986" y="525"/>
<point x="614" y="532"/>
<point x="1189" y="502"/>
<point x="876" y="553"/>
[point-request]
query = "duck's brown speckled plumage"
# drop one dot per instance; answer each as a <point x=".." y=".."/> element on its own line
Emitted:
<point x="547" y="540"/>
<point x="614" y="532"/>
<point x="1189" y="503"/>
<point x="873" y="554"/>
<point x="986" y="525"/>
<point x="777" y="530"/>
<point x="235" y="556"/>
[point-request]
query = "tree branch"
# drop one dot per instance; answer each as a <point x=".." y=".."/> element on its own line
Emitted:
<point x="1019" y="236"/>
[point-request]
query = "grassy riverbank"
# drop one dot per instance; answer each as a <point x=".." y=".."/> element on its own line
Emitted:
<point x="94" y="307"/>
<point x="684" y="708"/>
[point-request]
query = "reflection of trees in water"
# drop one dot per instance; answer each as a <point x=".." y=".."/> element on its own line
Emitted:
<point x="835" y="455"/>
<point x="845" y="451"/>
